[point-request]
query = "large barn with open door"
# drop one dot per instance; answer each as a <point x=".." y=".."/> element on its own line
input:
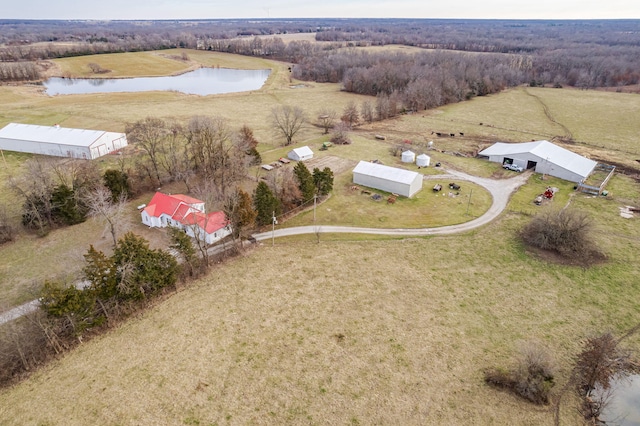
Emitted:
<point x="60" y="141"/>
<point x="389" y="179"/>
<point x="543" y="157"/>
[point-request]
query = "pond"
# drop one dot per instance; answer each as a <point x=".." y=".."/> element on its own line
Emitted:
<point x="203" y="81"/>
<point x="623" y="408"/>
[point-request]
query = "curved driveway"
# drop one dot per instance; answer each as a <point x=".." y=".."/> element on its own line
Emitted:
<point x="500" y="190"/>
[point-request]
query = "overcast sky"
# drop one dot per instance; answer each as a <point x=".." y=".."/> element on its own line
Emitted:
<point x="202" y="9"/>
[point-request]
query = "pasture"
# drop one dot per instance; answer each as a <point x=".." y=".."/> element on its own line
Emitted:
<point x="345" y="332"/>
<point x="353" y="329"/>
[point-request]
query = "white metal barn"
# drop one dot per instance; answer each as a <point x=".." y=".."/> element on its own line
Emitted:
<point x="543" y="157"/>
<point x="60" y="141"/>
<point x="423" y="160"/>
<point x="300" y="154"/>
<point x="408" y="156"/>
<point x="389" y="179"/>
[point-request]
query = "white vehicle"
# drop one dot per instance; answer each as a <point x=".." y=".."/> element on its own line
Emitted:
<point x="513" y="167"/>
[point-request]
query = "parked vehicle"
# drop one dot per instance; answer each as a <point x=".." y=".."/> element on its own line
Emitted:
<point x="513" y="167"/>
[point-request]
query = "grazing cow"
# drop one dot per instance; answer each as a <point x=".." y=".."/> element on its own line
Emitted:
<point x="452" y="135"/>
<point x="454" y="186"/>
<point x="461" y="134"/>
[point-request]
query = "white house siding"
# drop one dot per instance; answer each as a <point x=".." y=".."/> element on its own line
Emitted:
<point x="209" y="238"/>
<point x="150" y="220"/>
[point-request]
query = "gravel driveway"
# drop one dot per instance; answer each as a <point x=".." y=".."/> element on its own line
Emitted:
<point x="500" y="190"/>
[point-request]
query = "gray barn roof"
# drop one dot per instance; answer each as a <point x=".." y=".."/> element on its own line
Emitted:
<point x="385" y="172"/>
<point x="51" y="134"/>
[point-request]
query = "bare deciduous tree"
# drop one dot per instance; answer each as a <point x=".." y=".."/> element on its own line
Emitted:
<point x="36" y="187"/>
<point x="110" y="212"/>
<point x="327" y="119"/>
<point x="366" y="111"/>
<point x="287" y="121"/>
<point x="350" y="114"/>
<point x="150" y="133"/>
<point x="6" y="228"/>
<point x="340" y="134"/>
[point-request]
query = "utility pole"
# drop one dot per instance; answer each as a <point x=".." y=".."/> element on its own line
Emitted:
<point x="469" y="203"/>
<point x="273" y="228"/>
<point x="315" y="196"/>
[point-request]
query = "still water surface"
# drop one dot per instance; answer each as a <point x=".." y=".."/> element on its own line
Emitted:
<point x="624" y="407"/>
<point x="203" y="81"/>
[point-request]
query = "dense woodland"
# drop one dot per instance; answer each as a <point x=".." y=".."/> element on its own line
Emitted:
<point x="586" y="54"/>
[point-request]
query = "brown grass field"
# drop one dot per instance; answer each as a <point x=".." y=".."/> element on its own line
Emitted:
<point x="350" y="329"/>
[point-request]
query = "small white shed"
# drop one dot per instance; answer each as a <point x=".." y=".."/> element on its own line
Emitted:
<point x="389" y="179"/>
<point x="423" y="160"/>
<point x="408" y="156"/>
<point x="303" y="153"/>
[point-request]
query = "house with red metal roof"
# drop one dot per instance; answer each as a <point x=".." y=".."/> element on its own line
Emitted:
<point x="186" y="213"/>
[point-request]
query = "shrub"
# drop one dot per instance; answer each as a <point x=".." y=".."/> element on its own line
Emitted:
<point x="532" y="376"/>
<point x="565" y="232"/>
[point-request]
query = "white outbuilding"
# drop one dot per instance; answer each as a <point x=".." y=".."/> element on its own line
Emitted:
<point x="408" y="156"/>
<point x="389" y="179"/>
<point x="543" y="157"/>
<point x="60" y="141"/>
<point x="303" y="153"/>
<point x="423" y="160"/>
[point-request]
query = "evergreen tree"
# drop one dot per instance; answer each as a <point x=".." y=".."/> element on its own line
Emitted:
<point x="323" y="180"/>
<point x="305" y="181"/>
<point x="265" y="204"/>
<point x="142" y="271"/>
<point x="182" y="243"/>
<point x="66" y="210"/>
<point x="118" y="183"/>
<point x="74" y="307"/>
<point x="100" y="270"/>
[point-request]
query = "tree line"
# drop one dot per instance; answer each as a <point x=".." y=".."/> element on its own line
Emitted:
<point x="583" y="54"/>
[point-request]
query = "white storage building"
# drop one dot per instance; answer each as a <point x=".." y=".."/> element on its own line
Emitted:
<point x="301" y="154"/>
<point x="60" y="141"/>
<point x="543" y="157"/>
<point x="423" y="160"/>
<point x="389" y="179"/>
<point x="408" y="156"/>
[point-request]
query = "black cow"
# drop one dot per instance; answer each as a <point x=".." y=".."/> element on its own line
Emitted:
<point x="454" y="186"/>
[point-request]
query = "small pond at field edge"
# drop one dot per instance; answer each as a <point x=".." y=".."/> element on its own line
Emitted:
<point x="623" y="408"/>
<point x="203" y="81"/>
